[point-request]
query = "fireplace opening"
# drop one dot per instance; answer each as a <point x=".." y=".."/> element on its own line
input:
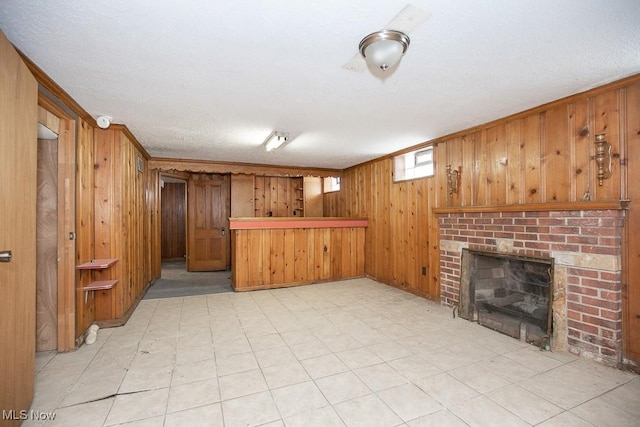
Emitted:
<point x="508" y="293"/>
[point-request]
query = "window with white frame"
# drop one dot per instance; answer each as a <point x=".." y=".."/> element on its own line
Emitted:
<point x="331" y="183"/>
<point x="412" y="165"/>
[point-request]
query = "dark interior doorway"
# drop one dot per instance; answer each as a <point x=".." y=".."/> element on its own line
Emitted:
<point x="174" y="219"/>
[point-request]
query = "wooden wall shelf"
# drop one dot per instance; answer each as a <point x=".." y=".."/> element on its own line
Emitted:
<point x="100" y="285"/>
<point x="97" y="285"/>
<point x="97" y="264"/>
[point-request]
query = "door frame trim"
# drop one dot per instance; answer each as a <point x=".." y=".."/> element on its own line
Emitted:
<point x="66" y="223"/>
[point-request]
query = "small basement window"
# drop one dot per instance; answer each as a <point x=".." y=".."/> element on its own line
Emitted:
<point x="331" y="183"/>
<point x="415" y="164"/>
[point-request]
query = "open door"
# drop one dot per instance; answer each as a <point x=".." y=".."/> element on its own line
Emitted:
<point x="208" y="222"/>
<point x="18" y="169"/>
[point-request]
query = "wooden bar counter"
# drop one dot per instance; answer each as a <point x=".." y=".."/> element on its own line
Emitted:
<point x="279" y="252"/>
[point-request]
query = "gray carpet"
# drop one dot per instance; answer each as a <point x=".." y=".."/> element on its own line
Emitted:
<point x="175" y="281"/>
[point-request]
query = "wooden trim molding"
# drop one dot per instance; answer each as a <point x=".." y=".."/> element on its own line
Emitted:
<point x="125" y="130"/>
<point x="209" y="166"/>
<point x="319" y="222"/>
<point x="540" y="207"/>
<point x="43" y="79"/>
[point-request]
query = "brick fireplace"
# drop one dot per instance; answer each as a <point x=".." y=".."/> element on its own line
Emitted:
<point x="586" y="247"/>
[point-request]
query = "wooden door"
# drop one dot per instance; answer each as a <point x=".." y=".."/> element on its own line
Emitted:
<point x="313" y="205"/>
<point x="18" y="168"/>
<point x="47" y="246"/>
<point x="242" y="196"/>
<point x="208" y="222"/>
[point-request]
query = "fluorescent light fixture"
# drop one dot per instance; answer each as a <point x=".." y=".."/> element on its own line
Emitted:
<point x="275" y="140"/>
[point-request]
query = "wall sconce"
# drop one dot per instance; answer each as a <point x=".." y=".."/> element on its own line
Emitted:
<point x="275" y="140"/>
<point x="603" y="158"/>
<point x="452" y="180"/>
<point x="383" y="49"/>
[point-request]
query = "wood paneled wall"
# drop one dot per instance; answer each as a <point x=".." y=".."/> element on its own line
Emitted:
<point x="398" y="236"/>
<point x="278" y="196"/>
<point x="541" y="157"/>
<point x="270" y="258"/>
<point x="332" y="203"/>
<point x="124" y="215"/>
<point x="174" y="220"/>
<point x="544" y="155"/>
<point x="85" y="219"/>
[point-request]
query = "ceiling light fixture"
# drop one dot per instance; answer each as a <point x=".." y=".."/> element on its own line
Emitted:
<point x="383" y="49"/>
<point x="275" y="140"/>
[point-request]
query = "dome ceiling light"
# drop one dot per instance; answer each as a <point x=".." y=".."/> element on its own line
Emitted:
<point x="384" y="49"/>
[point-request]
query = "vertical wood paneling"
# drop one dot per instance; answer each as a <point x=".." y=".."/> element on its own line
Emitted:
<point x="454" y="155"/>
<point x="545" y="156"/>
<point x="514" y="167"/>
<point x="123" y="216"/>
<point x="531" y="154"/>
<point x="267" y="258"/>
<point x="495" y="164"/>
<point x="631" y="295"/>
<point x="277" y="255"/>
<point x="468" y="176"/>
<point x="274" y="203"/>
<point x="440" y="173"/>
<point x="107" y="207"/>
<point x="557" y="155"/>
<point x="606" y="119"/>
<point x="85" y="221"/>
<point x="255" y="256"/>
<point x="277" y="196"/>
<point x="483" y="171"/>
<point x="398" y="233"/>
<point x="300" y="262"/>
<point x="259" y="196"/>
<point x="579" y="140"/>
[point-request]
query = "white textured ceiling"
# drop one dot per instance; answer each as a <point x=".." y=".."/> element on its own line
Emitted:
<point x="211" y="79"/>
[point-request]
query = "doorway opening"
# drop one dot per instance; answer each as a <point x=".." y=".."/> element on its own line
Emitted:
<point x="55" y="229"/>
<point x="174" y="218"/>
<point x="194" y="212"/>
<point x="47" y="240"/>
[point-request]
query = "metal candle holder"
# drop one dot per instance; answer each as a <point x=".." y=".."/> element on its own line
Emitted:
<point x="452" y="180"/>
<point x="603" y="158"/>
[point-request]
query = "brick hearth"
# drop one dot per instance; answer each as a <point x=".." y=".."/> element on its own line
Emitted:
<point x="587" y="249"/>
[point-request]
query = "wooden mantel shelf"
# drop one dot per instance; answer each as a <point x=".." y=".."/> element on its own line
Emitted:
<point x="252" y="223"/>
<point x="539" y="207"/>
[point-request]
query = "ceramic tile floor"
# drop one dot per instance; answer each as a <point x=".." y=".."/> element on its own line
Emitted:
<point x="355" y="353"/>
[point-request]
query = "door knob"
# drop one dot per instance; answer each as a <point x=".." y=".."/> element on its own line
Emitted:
<point x="5" y="256"/>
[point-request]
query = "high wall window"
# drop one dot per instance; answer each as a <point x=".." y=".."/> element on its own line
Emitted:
<point x="415" y="164"/>
<point x="331" y="183"/>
